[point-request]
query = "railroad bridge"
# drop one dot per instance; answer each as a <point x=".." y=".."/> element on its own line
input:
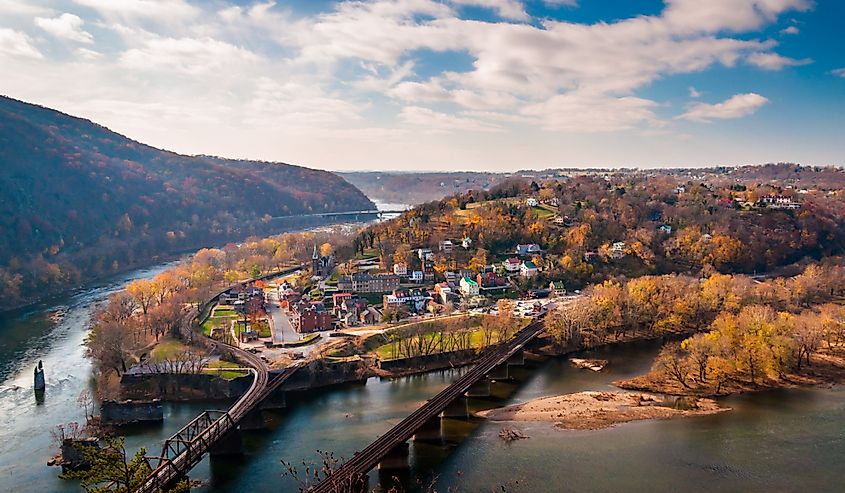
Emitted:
<point x="213" y="431"/>
<point x="392" y="447"/>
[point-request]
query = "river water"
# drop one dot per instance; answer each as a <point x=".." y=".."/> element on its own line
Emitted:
<point x="790" y="440"/>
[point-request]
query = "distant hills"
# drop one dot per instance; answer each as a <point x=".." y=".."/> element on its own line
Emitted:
<point x="78" y="201"/>
<point x="417" y="188"/>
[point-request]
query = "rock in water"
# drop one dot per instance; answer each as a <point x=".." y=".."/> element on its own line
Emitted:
<point x="589" y="364"/>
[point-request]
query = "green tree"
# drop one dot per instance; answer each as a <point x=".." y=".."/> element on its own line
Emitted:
<point x="113" y="470"/>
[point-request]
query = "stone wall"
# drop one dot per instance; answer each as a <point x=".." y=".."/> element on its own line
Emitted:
<point x="129" y="411"/>
<point x="322" y="373"/>
<point x="182" y="387"/>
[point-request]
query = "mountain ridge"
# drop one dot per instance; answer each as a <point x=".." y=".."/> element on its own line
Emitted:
<point x="80" y="201"/>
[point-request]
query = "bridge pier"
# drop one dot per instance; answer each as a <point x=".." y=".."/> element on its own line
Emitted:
<point x="518" y="358"/>
<point x="429" y="432"/>
<point x="456" y="409"/>
<point x="396" y="459"/>
<point x="253" y="420"/>
<point x="499" y="373"/>
<point x="276" y="400"/>
<point x="480" y="388"/>
<point x="228" y="444"/>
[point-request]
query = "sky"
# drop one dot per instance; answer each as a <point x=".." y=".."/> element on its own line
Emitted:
<point x="493" y="85"/>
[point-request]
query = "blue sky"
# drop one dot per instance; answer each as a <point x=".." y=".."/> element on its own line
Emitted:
<point x="444" y="84"/>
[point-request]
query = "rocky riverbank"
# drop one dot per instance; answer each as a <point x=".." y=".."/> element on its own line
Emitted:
<point x="596" y="410"/>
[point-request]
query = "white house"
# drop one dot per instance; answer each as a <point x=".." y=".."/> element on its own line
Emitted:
<point x="469" y="287"/>
<point x="417" y="276"/>
<point x="532" y="202"/>
<point x="528" y="269"/>
<point x="466" y="243"/>
<point x="527" y="249"/>
<point x="617" y="250"/>
<point x="425" y="253"/>
<point x="511" y="265"/>
<point x="400" y="269"/>
<point x="446" y="246"/>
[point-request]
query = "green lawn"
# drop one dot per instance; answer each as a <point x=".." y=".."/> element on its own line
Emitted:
<point x="227" y="374"/>
<point x="543" y="212"/>
<point x="476" y="341"/>
<point x="166" y="349"/>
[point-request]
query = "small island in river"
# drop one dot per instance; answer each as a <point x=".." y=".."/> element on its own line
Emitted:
<point x="596" y="410"/>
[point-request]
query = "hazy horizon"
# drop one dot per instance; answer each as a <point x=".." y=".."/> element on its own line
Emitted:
<point x="424" y="85"/>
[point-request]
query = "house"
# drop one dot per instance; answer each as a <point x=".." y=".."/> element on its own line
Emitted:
<point x="400" y="269"/>
<point x="338" y="300"/>
<point x="416" y="277"/>
<point x="310" y="317"/>
<point x="779" y="202"/>
<point x="469" y="287"/>
<point x="368" y="283"/>
<point x="450" y="277"/>
<point x="554" y="202"/>
<point x="528" y="269"/>
<point x="466" y="243"/>
<point x="665" y="229"/>
<point x="371" y="316"/>
<point x="556" y="288"/>
<point x="511" y="265"/>
<point x="490" y="281"/>
<point x="528" y="249"/>
<point x="446" y="246"/>
<point x="444" y="291"/>
<point x="425" y="254"/>
<point x="590" y="257"/>
<point x="681" y="189"/>
<point x="617" y="250"/>
<point x="532" y="202"/>
<point x="414" y="299"/>
<point x="249" y="336"/>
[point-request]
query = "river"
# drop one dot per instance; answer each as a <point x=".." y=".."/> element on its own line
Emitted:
<point x="786" y="440"/>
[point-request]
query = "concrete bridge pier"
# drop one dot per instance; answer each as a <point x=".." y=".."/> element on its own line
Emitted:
<point x="396" y="459"/>
<point x="276" y="400"/>
<point x="456" y="409"/>
<point x="480" y="388"/>
<point x="499" y="373"/>
<point x="430" y="432"/>
<point x="229" y="444"/>
<point x="253" y="420"/>
<point x="518" y="358"/>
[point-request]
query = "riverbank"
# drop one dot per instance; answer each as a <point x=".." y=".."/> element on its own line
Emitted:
<point x="596" y="410"/>
<point x="827" y="368"/>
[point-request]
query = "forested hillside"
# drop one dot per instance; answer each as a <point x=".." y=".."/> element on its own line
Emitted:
<point x="79" y="201"/>
<point x="593" y="227"/>
<point x="416" y="188"/>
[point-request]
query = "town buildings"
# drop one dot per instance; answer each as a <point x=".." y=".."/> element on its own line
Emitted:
<point x="469" y="287"/>
<point x="368" y="283"/>
<point x="310" y="317"/>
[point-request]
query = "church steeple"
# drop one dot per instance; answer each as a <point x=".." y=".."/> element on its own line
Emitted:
<point x="314" y="256"/>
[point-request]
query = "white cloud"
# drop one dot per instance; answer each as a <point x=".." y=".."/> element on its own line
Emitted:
<point x="506" y="9"/>
<point x="727" y="15"/>
<point x="434" y="121"/>
<point x="20" y="8"/>
<point x="840" y="72"/>
<point x="736" y="106"/>
<point x="576" y="112"/>
<point x="17" y="44"/>
<point x="790" y="30"/>
<point x="88" y="55"/>
<point x="558" y="3"/>
<point x="66" y="26"/>
<point x="773" y="61"/>
<point x="164" y="10"/>
<point x="694" y="93"/>
<point x="187" y="55"/>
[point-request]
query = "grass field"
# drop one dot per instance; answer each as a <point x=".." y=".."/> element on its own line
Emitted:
<point x="227" y="374"/>
<point x="386" y="351"/>
<point x="221" y="316"/>
<point x="166" y="349"/>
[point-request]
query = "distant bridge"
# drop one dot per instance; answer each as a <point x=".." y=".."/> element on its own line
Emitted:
<point x="372" y="212"/>
<point x="351" y="476"/>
